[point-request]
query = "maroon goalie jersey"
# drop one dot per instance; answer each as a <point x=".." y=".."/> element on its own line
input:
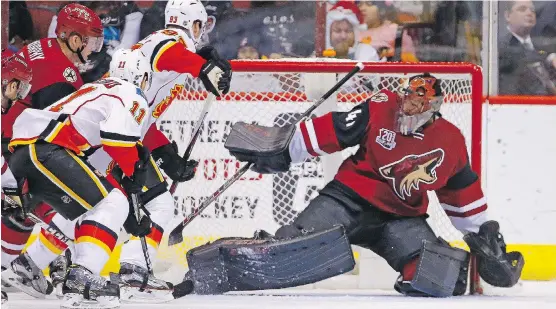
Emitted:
<point x="393" y="172"/>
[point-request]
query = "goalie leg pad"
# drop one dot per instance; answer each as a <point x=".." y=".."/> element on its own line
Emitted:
<point x="267" y="147"/>
<point x="438" y="270"/>
<point x="246" y="264"/>
<point x="402" y="240"/>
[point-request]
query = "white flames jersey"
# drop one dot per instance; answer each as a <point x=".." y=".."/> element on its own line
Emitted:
<point x="109" y="113"/>
<point x="8" y="179"/>
<point x="166" y="85"/>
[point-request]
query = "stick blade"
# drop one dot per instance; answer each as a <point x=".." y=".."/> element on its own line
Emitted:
<point x="176" y="236"/>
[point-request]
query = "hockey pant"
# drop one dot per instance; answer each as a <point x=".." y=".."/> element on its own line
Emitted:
<point x="78" y="192"/>
<point x="158" y="202"/>
<point x="396" y="239"/>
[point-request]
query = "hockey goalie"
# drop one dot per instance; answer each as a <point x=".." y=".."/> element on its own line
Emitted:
<point x="377" y="200"/>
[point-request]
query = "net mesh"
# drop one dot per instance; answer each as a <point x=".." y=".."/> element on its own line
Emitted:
<point x="269" y="201"/>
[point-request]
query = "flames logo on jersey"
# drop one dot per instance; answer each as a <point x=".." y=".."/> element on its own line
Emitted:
<point x="405" y="175"/>
<point x="163" y="105"/>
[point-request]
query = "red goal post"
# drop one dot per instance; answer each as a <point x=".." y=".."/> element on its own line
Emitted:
<point x="273" y="92"/>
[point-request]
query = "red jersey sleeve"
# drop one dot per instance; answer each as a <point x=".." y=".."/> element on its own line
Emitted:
<point x="462" y="197"/>
<point x="154" y="138"/>
<point x="330" y="133"/>
<point x="174" y="56"/>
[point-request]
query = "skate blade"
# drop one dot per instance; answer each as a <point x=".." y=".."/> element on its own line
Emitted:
<point x="14" y="280"/>
<point x="133" y="295"/>
<point x="76" y="301"/>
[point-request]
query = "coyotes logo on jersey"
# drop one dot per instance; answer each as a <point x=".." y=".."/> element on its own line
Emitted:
<point x="406" y="174"/>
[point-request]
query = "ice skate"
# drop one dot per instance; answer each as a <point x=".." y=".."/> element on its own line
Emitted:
<point x="24" y="275"/>
<point x="83" y="289"/>
<point x="137" y="285"/>
<point x="58" y="269"/>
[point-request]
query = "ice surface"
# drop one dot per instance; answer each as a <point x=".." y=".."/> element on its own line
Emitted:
<point x="528" y="295"/>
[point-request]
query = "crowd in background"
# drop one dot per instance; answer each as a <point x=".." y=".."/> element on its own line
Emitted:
<point x="408" y="31"/>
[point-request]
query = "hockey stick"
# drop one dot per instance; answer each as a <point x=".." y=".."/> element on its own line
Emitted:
<point x="136" y="208"/>
<point x="196" y="133"/>
<point x="176" y="236"/>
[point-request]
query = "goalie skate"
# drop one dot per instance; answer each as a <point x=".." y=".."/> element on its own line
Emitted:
<point x="25" y="276"/>
<point x="83" y="289"/>
<point x="138" y="286"/>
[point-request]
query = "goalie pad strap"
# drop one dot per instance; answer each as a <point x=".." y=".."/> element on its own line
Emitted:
<point x="438" y="269"/>
<point x="248" y="264"/>
<point x="267" y="147"/>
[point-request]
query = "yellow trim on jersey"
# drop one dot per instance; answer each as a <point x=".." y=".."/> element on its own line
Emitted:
<point x="92" y="240"/>
<point x="113" y="143"/>
<point x="55" y="180"/>
<point x="91" y="174"/>
<point x="150" y="241"/>
<point x="19" y="142"/>
<point x="49" y="245"/>
<point x="54" y="132"/>
<point x="160" y="177"/>
<point x="160" y="52"/>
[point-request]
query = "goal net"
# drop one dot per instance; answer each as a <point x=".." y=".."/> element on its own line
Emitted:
<point x="275" y="93"/>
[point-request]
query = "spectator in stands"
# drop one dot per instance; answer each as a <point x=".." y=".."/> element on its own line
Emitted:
<point x="153" y="19"/>
<point x="20" y="26"/>
<point x="343" y="22"/>
<point x="544" y="31"/>
<point x="249" y="50"/>
<point x="215" y="11"/>
<point x="289" y="26"/>
<point x="381" y="31"/>
<point x="524" y="67"/>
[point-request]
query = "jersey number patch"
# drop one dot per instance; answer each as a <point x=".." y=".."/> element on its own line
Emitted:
<point x="137" y="113"/>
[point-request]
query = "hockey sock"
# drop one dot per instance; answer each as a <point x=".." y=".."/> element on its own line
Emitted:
<point x="161" y="212"/>
<point x="96" y="233"/>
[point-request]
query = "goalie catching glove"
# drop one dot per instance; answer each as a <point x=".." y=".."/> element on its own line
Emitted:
<point x="266" y="147"/>
<point x="496" y="266"/>
<point x="216" y="73"/>
<point x="168" y="159"/>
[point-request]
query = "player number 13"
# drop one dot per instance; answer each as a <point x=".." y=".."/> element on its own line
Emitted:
<point x="137" y="113"/>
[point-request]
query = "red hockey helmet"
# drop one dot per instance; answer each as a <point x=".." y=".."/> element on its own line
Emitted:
<point x="421" y="100"/>
<point x="78" y="19"/>
<point x="15" y="68"/>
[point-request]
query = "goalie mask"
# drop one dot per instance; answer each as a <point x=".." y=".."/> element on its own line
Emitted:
<point x="189" y="15"/>
<point x="131" y="66"/>
<point x="420" y="101"/>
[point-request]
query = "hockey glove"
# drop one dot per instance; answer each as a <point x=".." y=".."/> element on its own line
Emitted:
<point x="16" y="202"/>
<point x="216" y="73"/>
<point x="168" y="159"/>
<point x="135" y="183"/>
<point x="138" y="229"/>
<point x="11" y="204"/>
<point x="496" y="266"/>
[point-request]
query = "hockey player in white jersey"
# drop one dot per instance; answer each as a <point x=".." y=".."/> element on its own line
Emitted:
<point x="48" y="151"/>
<point x="172" y="55"/>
